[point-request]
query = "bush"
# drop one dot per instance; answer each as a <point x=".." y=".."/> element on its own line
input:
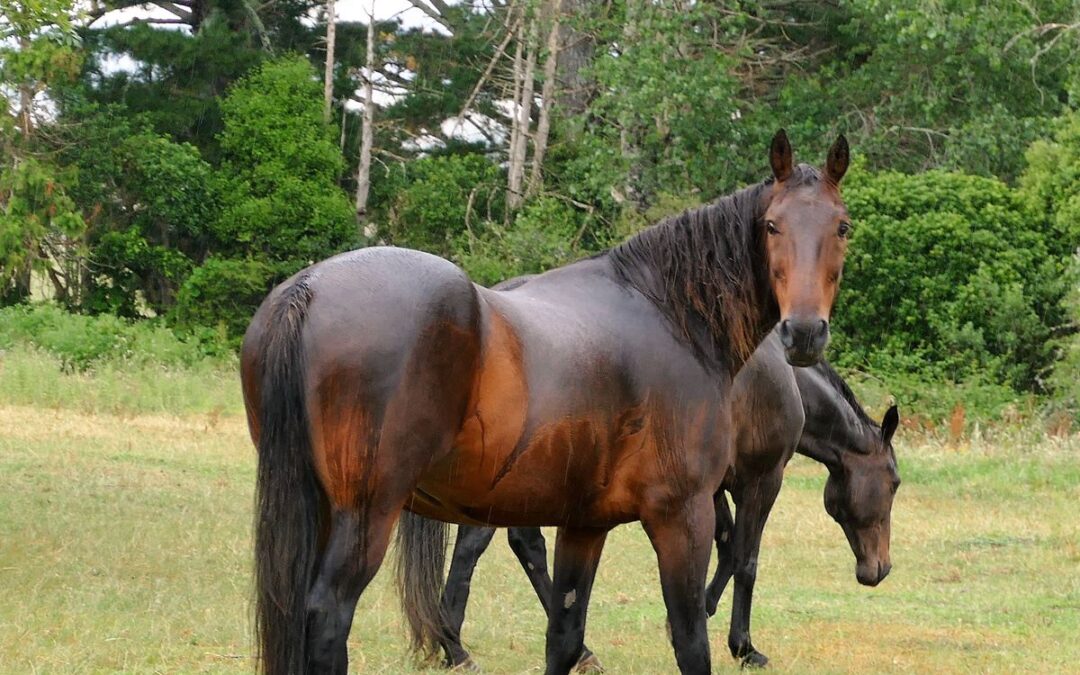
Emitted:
<point x="222" y="295"/>
<point x="950" y="276"/>
<point x="436" y="199"/>
<point x="544" y="235"/>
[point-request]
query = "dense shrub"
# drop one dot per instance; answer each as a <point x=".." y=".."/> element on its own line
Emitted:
<point x="435" y="200"/>
<point x="545" y="234"/>
<point x="222" y="295"/>
<point x="949" y="275"/>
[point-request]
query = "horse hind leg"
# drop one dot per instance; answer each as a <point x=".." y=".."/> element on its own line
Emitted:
<point x="470" y="544"/>
<point x="353" y="553"/>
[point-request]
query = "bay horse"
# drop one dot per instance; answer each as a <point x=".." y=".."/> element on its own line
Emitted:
<point x="776" y="410"/>
<point x="383" y="381"/>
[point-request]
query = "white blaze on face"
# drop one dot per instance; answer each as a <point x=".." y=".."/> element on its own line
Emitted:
<point x="570" y="599"/>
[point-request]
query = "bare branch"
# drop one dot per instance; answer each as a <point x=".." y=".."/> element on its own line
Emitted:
<point x="419" y="4"/>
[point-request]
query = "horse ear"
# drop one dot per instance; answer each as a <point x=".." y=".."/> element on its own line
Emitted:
<point x="780" y="156"/>
<point x="889" y="424"/>
<point x="836" y="163"/>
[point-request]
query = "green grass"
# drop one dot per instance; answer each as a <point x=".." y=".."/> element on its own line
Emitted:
<point x="125" y="546"/>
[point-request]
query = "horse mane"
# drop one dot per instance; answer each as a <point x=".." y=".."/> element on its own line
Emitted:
<point x="705" y="270"/>
<point x="841" y="387"/>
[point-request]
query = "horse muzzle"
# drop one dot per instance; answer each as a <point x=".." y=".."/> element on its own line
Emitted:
<point x="804" y="340"/>
<point x="872" y="573"/>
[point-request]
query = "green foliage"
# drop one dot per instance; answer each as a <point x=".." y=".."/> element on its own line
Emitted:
<point x="436" y="199"/>
<point x="545" y="234"/>
<point x="39" y="44"/>
<point x="280" y="197"/>
<point x="38" y="221"/>
<point x="949" y="275"/>
<point x="1052" y="184"/>
<point x="166" y="198"/>
<point x="927" y="402"/>
<point x="1065" y="379"/>
<point x="667" y="106"/>
<point x="222" y="295"/>
<point x="181" y="78"/>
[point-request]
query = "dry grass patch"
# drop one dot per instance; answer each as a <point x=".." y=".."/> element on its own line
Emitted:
<point x="126" y="547"/>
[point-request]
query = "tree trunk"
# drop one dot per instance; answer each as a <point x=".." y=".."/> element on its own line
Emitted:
<point x="367" y="135"/>
<point x="328" y="77"/>
<point x="576" y="51"/>
<point x="26" y="101"/>
<point x="519" y="149"/>
<point x="631" y="127"/>
<point x="515" y="118"/>
<point x="547" y="95"/>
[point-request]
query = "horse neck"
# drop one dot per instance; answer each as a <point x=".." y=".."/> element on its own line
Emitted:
<point x="832" y="424"/>
<point x="706" y="272"/>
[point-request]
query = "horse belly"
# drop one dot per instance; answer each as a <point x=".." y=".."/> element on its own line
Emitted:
<point x="508" y="468"/>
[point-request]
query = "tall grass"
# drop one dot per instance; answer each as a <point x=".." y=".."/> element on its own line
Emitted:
<point x="54" y="359"/>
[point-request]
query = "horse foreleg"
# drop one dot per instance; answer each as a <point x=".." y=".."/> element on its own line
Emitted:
<point x="577" y="556"/>
<point x="470" y="544"/>
<point x="753" y="504"/>
<point x="528" y="545"/>
<point x="354" y="550"/>
<point x="725" y="532"/>
<point x="682" y="540"/>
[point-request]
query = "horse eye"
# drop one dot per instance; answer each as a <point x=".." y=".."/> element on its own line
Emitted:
<point x="771" y="227"/>
<point x="843" y="230"/>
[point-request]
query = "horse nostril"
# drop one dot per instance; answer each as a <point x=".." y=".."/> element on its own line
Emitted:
<point x="785" y="333"/>
<point x="824" y="327"/>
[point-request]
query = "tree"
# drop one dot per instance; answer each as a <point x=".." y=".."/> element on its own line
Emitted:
<point x="281" y="199"/>
<point x="39" y="224"/>
<point x="281" y="205"/>
<point x="40" y="230"/>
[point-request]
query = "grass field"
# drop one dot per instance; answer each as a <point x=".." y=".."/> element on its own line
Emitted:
<point x="125" y="545"/>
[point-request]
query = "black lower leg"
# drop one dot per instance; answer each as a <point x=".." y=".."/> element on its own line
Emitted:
<point x="753" y="505"/>
<point x="344" y="571"/>
<point x="725" y="532"/>
<point x="577" y="556"/>
<point x="531" y="550"/>
<point x="470" y="544"/>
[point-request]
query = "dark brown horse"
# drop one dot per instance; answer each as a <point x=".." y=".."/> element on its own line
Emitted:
<point x="770" y="401"/>
<point x="811" y="411"/>
<point x="383" y="380"/>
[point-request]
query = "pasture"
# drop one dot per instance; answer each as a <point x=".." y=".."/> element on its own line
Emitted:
<point x="125" y="526"/>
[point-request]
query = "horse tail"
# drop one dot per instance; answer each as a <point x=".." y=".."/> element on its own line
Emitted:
<point x="421" y="559"/>
<point x="287" y="492"/>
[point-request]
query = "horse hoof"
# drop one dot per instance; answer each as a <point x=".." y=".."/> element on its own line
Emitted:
<point x="755" y="659"/>
<point x="466" y="666"/>
<point x="589" y="664"/>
